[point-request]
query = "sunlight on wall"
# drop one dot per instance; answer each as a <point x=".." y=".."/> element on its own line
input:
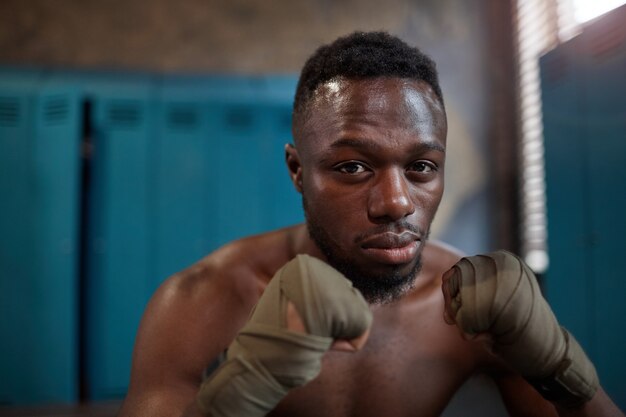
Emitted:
<point x="585" y="10"/>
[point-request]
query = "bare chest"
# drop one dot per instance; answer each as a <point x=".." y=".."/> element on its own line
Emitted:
<point x="413" y="372"/>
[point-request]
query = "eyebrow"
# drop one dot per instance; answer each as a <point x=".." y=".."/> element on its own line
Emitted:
<point x="372" y="145"/>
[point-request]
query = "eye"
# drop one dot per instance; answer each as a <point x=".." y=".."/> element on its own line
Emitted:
<point x="351" y="168"/>
<point x="422" y="167"/>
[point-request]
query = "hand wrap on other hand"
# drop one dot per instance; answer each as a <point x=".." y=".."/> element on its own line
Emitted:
<point x="498" y="294"/>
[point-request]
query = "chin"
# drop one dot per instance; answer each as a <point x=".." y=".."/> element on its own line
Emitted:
<point x="379" y="283"/>
<point x="387" y="286"/>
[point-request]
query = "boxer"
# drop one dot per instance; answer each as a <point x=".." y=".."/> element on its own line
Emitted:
<point x="368" y="157"/>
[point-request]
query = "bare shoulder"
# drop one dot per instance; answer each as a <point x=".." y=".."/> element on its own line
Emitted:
<point x="226" y="283"/>
<point x="193" y="317"/>
<point x="237" y="272"/>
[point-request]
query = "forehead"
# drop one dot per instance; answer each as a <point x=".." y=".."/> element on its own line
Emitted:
<point x="380" y="107"/>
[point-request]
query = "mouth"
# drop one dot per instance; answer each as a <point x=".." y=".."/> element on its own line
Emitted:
<point x="392" y="248"/>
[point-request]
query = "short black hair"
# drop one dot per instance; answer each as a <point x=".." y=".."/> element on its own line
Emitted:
<point x="364" y="55"/>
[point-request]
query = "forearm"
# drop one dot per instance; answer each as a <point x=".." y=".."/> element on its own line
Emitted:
<point x="599" y="406"/>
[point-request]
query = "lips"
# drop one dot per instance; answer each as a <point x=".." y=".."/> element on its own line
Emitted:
<point x="392" y="248"/>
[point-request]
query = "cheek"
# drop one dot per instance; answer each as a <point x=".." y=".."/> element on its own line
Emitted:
<point x="436" y="194"/>
<point x="337" y="206"/>
<point x="428" y="196"/>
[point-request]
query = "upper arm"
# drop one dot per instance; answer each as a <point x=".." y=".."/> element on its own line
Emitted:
<point x="187" y="323"/>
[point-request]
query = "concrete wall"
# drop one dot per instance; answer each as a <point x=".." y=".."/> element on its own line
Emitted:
<point x="211" y="35"/>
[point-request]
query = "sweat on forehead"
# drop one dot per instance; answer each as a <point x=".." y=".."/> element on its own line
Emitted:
<point x="373" y="91"/>
<point x="340" y="102"/>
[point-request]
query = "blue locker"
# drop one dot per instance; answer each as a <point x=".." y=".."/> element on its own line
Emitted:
<point x="184" y="185"/>
<point x="584" y="99"/>
<point x="17" y="96"/>
<point x="283" y="203"/>
<point x="40" y="187"/>
<point x="239" y="168"/>
<point x="211" y="128"/>
<point x="566" y="192"/>
<point x="119" y="276"/>
<point x="604" y="77"/>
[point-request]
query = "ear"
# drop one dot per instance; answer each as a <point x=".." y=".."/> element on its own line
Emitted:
<point x="295" y="167"/>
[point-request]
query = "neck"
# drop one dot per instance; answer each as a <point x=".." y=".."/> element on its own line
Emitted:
<point x="301" y="242"/>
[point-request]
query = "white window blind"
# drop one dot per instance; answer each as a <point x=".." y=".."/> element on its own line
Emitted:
<point x="537" y="32"/>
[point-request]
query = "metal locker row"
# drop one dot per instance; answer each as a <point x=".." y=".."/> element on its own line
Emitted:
<point x="584" y="93"/>
<point x="174" y="167"/>
<point x="39" y="236"/>
<point x="207" y="160"/>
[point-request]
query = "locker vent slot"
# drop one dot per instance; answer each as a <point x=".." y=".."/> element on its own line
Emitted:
<point x="9" y="111"/>
<point x="55" y="109"/>
<point x="124" y="114"/>
<point x="239" y="119"/>
<point x="184" y="118"/>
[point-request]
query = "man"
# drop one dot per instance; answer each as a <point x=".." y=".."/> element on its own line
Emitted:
<point x="370" y="137"/>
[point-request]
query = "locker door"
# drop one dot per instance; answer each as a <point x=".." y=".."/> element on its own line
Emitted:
<point x="39" y="177"/>
<point x="183" y="181"/>
<point x="283" y="203"/>
<point x="568" y="279"/>
<point x="17" y="288"/>
<point x="604" y="61"/>
<point x="239" y="169"/>
<point x="57" y="182"/>
<point x="119" y="280"/>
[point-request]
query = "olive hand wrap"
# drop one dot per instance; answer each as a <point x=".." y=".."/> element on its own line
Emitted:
<point x="266" y="359"/>
<point x="498" y="294"/>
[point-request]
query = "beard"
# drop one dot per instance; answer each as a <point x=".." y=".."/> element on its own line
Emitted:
<point x="376" y="288"/>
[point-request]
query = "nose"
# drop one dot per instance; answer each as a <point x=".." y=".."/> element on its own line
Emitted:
<point x="390" y="197"/>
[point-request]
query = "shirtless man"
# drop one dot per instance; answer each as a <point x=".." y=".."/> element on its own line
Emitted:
<point x="370" y="138"/>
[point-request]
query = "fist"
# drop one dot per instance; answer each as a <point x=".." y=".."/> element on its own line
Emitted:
<point x="498" y="295"/>
<point x="306" y="307"/>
